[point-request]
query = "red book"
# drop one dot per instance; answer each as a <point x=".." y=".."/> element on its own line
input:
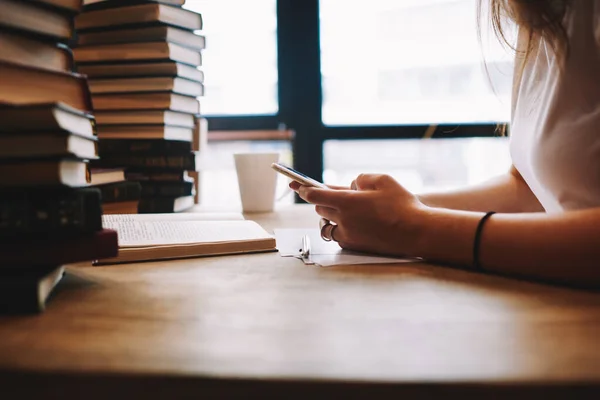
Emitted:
<point x="59" y="251"/>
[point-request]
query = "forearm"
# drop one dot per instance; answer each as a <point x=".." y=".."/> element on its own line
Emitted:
<point x="507" y="193"/>
<point x="562" y="248"/>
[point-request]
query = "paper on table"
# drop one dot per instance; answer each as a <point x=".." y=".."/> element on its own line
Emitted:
<point x="325" y="254"/>
<point x="162" y="233"/>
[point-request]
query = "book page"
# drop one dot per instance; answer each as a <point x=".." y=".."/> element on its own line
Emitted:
<point x="208" y="216"/>
<point x="134" y="233"/>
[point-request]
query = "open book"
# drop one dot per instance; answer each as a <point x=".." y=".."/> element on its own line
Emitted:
<point x="145" y="237"/>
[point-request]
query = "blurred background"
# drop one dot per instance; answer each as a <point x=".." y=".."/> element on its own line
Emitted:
<point x="404" y="87"/>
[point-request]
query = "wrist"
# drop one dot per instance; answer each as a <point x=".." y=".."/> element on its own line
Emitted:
<point x="445" y="235"/>
<point x="423" y="222"/>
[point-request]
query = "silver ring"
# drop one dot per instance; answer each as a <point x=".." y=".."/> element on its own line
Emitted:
<point x="326" y="229"/>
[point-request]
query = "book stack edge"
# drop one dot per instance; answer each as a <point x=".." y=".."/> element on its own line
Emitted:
<point x="49" y="214"/>
<point x="142" y="60"/>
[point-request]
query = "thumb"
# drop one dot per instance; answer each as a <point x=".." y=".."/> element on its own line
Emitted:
<point x="373" y="181"/>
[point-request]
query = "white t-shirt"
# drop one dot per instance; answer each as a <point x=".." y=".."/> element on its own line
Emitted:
<point x="555" y="127"/>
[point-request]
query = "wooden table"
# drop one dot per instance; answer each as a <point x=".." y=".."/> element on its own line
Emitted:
<point x="257" y="324"/>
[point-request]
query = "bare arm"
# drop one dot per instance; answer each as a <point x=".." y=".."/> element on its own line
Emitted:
<point x="507" y="193"/>
<point x="562" y="247"/>
<point x="380" y="216"/>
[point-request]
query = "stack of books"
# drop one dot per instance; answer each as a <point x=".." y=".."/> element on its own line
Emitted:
<point x="119" y="196"/>
<point x="142" y="59"/>
<point x="49" y="216"/>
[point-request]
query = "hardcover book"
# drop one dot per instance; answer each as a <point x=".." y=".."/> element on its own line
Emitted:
<point x="53" y="250"/>
<point x="57" y="212"/>
<point x="26" y="86"/>
<point x="159" y="237"/>
<point x="31" y="17"/>
<point x="139" y="14"/>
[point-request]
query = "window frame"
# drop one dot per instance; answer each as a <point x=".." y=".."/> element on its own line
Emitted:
<point x="300" y="97"/>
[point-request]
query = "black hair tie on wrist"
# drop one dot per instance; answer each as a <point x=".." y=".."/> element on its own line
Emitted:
<point x="476" y="264"/>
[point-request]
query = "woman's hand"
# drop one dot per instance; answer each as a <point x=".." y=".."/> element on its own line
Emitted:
<point x="376" y="215"/>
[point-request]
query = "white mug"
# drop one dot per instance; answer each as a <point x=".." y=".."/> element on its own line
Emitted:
<point x="257" y="180"/>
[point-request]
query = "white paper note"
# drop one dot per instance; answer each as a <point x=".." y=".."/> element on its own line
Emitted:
<point x="325" y="254"/>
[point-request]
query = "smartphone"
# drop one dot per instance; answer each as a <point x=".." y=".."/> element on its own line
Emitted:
<point x="297" y="176"/>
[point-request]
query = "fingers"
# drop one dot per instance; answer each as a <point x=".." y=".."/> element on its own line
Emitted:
<point x="335" y="236"/>
<point x="330" y="232"/>
<point x="373" y="181"/>
<point x="322" y="197"/>
<point x="335" y="187"/>
<point x="294" y="185"/>
<point x="328" y="213"/>
<point x="362" y="182"/>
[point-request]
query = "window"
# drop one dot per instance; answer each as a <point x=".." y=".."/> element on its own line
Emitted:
<point x="339" y="72"/>
<point x="419" y="165"/>
<point x="240" y="60"/>
<point x="410" y="62"/>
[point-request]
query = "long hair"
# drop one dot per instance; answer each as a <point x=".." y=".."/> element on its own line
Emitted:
<point x="537" y="20"/>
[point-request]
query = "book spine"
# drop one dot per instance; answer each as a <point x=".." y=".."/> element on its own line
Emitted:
<point x="120" y="192"/>
<point x="110" y="147"/>
<point x="31" y="213"/>
<point x="61" y="8"/>
<point x="105" y="4"/>
<point x="167" y="190"/>
<point x="145" y="176"/>
<point x="156" y="205"/>
<point x="195" y="176"/>
<point x="59" y="251"/>
<point x="182" y="162"/>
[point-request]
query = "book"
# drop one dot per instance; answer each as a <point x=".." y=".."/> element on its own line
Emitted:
<point x="120" y="192"/>
<point x="70" y="173"/>
<point x="160" y="176"/>
<point x="27" y="289"/>
<point x="23" y="50"/>
<point x="57" y="144"/>
<point x="49" y="212"/>
<point x="188" y="162"/>
<point x="147" y="101"/>
<point x="140" y="117"/>
<point x="124" y="207"/>
<point x="145" y="132"/>
<point x="53" y="250"/>
<point x="164" y="68"/>
<point x="30" y="17"/>
<point x="73" y="6"/>
<point x="154" y="84"/>
<point x="155" y="205"/>
<point x="139" y="14"/>
<point x="161" y="33"/>
<point x="144" y="147"/>
<point x="200" y="141"/>
<point x="25" y="85"/>
<point x="46" y="117"/>
<point x="158" y="237"/>
<point x="195" y="176"/>
<point x="103" y="176"/>
<point x="136" y="52"/>
<point x="167" y="189"/>
<point x="101" y="4"/>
